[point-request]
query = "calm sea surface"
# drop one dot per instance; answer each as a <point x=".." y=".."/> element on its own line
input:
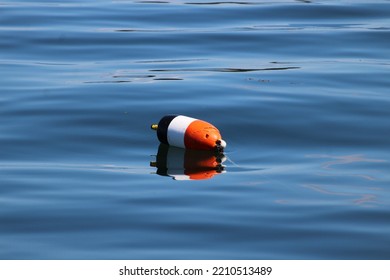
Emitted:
<point x="300" y="91"/>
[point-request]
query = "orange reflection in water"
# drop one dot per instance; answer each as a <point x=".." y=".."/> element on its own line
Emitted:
<point x="183" y="164"/>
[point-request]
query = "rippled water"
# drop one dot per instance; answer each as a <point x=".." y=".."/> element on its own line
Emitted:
<point x="298" y="89"/>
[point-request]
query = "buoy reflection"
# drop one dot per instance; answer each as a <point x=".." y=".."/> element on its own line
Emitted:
<point x="183" y="164"/>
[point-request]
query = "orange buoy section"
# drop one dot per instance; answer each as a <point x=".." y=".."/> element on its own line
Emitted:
<point x="201" y="135"/>
<point x="185" y="132"/>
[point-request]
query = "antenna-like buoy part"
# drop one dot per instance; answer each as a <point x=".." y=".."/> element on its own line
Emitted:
<point x="189" y="133"/>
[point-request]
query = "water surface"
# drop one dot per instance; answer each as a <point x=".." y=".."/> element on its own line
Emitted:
<point x="298" y="89"/>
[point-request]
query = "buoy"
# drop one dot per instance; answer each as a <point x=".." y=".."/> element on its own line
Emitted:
<point x="184" y="164"/>
<point x="189" y="133"/>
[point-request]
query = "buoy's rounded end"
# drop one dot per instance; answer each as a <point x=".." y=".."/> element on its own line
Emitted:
<point x="223" y="144"/>
<point x="220" y="146"/>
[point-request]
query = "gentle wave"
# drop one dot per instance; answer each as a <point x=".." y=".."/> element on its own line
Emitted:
<point x="298" y="89"/>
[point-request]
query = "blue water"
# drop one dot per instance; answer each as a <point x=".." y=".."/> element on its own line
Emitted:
<point x="298" y="89"/>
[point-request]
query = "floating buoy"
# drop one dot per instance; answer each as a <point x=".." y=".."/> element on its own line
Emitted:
<point x="189" y="133"/>
<point x="184" y="164"/>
